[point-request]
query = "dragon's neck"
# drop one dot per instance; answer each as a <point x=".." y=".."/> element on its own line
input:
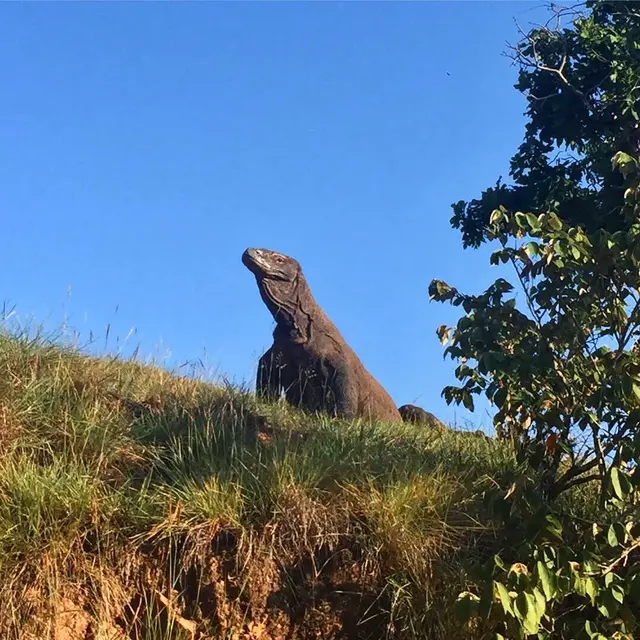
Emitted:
<point x="292" y="307"/>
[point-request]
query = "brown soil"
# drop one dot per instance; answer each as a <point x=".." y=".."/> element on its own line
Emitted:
<point x="324" y="594"/>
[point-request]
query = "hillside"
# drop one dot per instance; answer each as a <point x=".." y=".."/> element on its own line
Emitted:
<point x="139" y="504"/>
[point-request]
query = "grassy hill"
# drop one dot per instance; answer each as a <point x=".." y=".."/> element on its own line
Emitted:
<point x="139" y="504"/>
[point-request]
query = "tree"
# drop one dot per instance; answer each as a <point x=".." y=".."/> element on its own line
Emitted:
<point x="563" y="369"/>
<point x="564" y="374"/>
<point x="582" y="83"/>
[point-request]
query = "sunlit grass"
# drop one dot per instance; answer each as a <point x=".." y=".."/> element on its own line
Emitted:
<point x="120" y="481"/>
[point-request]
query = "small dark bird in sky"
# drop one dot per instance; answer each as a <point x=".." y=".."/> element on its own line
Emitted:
<point x="448" y="73"/>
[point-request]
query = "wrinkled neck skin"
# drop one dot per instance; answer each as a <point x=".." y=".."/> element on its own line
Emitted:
<point x="291" y="305"/>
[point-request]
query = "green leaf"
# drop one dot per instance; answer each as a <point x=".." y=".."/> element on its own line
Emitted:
<point x="520" y="218"/>
<point x="554" y="222"/>
<point x="605" y="610"/>
<point x="607" y="604"/>
<point x="612" y="538"/>
<point x="617" y="592"/>
<point x="533" y="616"/>
<point x="532" y="248"/>
<point x="503" y="597"/>
<point x="621" y="484"/>
<point x="467" y="401"/>
<point x="521" y="607"/>
<point x="591" y="589"/>
<point x="533" y="221"/>
<point x="547" y="580"/>
<point x="624" y="163"/>
<point x="496" y="216"/>
<point x="549" y="554"/>
<point x="591" y="629"/>
<point x="621" y="532"/>
<point x="554" y="527"/>
<point x="615" y="482"/>
<point x="465" y="606"/>
<point x="541" y="603"/>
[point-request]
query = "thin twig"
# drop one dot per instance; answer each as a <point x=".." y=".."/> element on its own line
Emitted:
<point x="625" y="554"/>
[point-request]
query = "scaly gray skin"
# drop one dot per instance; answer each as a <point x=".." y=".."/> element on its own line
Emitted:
<point x="418" y="415"/>
<point x="309" y="359"/>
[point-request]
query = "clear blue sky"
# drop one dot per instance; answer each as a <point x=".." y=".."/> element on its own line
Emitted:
<point x="146" y="145"/>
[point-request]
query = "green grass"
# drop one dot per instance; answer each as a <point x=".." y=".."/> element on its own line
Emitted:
<point x="150" y="503"/>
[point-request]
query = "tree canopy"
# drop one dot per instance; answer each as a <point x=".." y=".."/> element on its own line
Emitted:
<point x="582" y="83"/>
<point x="559" y="353"/>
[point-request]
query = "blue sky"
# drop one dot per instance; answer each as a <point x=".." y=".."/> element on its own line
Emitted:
<point x="146" y="145"/>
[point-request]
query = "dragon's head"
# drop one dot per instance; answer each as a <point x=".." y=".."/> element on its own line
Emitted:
<point x="271" y="265"/>
<point x="279" y="279"/>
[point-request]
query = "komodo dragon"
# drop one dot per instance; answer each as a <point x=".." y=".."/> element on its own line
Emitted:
<point x="418" y="415"/>
<point x="309" y="359"/>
